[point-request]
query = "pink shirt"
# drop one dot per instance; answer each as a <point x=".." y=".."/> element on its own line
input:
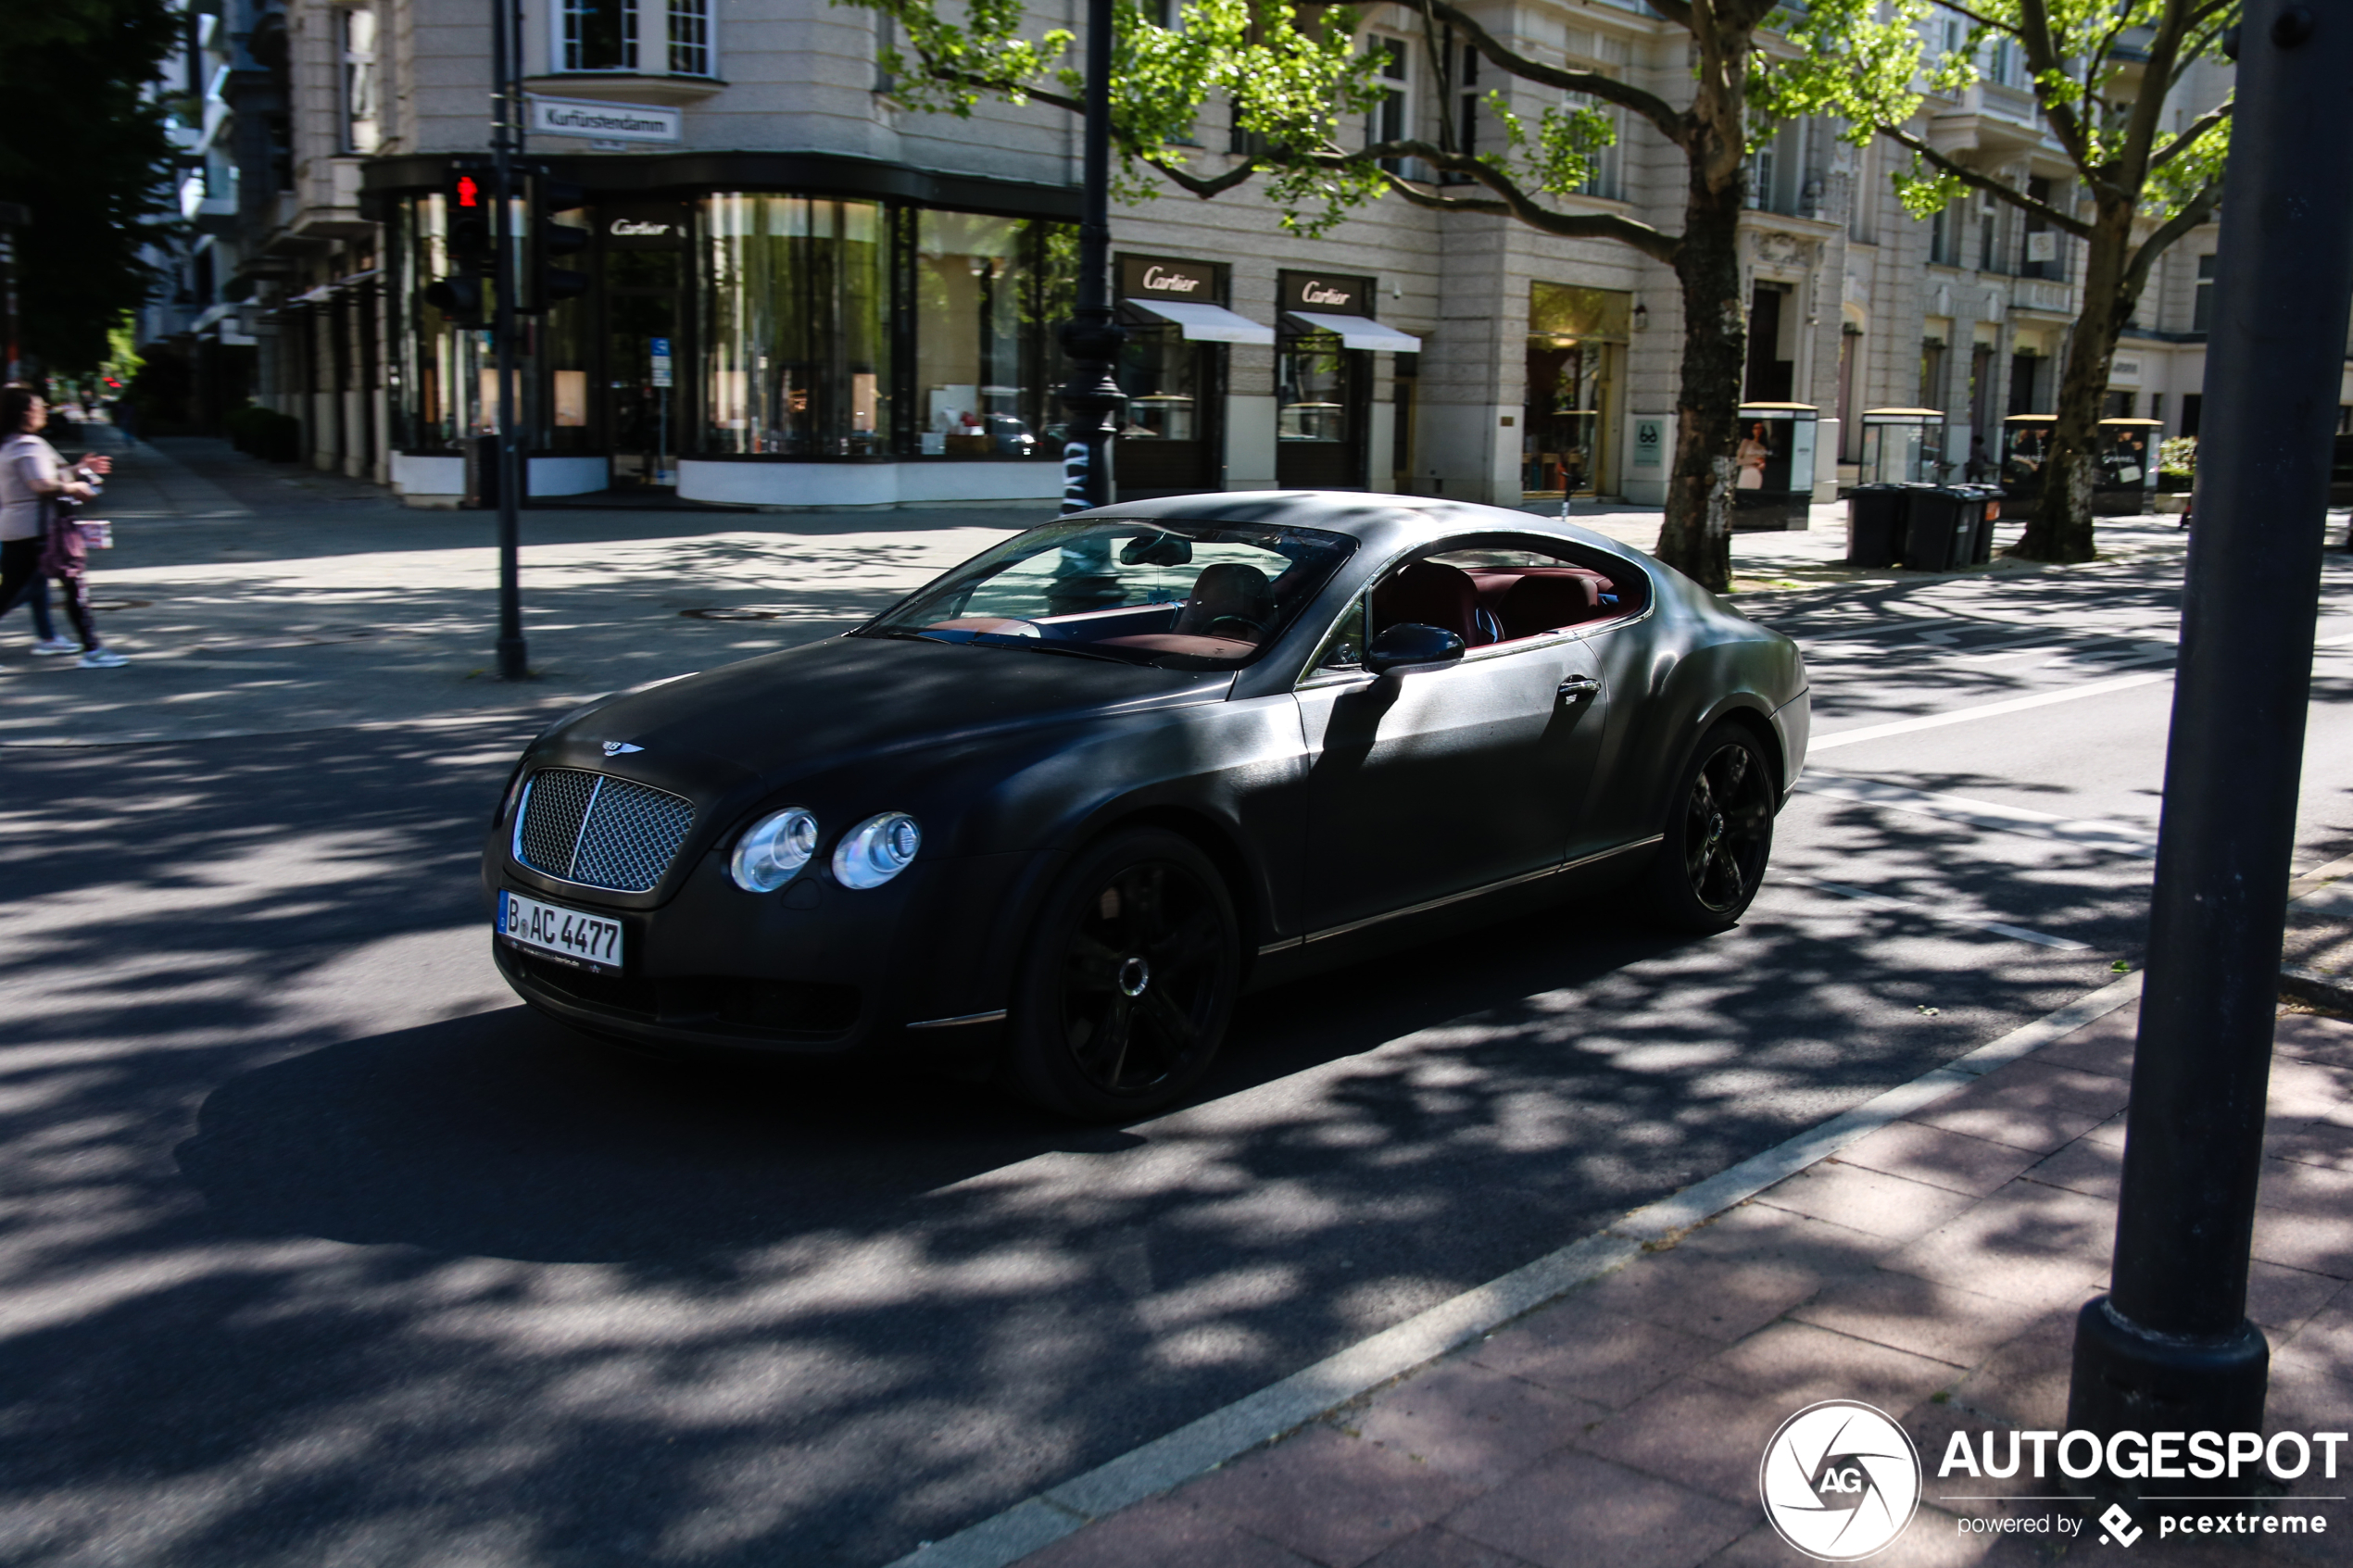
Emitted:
<point x="25" y="462"/>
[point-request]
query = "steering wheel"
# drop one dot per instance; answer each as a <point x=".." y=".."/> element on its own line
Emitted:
<point x="1218" y="628"/>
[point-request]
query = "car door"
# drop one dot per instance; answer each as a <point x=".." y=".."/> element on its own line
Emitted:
<point x="1442" y="779"/>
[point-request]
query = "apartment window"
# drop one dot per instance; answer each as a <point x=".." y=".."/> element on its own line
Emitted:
<point x="2202" y="302"/>
<point x="2038" y="248"/>
<point x="599" y="35"/>
<point x="1468" y="144"/>
<point x="1942" y="246"/>
<point x="1388" y="121"/>
<point x="362" y="128"/>
<point x="1989" y="253"/>
<point x="690" y="38"/>
<point x="1601" y="176"/>
<point x="1862" y="217"/>
<point x="1932" y="374"/>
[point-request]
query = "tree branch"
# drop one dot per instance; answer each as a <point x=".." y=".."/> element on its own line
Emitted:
<point x="1511" y="200"/>
<point x="2195" y="212"/>
<point x="1591" y="83"/>
<point x="1677" y="11"/>
<point x="2041" y="57"/>
<point x="2188" y="133"/>
<point x="1192" y="183"/>
<point x="2065" y="221"/>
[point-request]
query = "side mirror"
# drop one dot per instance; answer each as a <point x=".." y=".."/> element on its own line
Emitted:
<point x="1412" y="643"/>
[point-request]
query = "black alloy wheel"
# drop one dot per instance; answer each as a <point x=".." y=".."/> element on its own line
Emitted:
<point x="1130" y="981"/>
<point x="1719" y="835"/>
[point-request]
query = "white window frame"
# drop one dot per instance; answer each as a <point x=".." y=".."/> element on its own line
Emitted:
<point x="699" y="17"/>
<point x="559" y="18"/>
<point x="347" y="61"/>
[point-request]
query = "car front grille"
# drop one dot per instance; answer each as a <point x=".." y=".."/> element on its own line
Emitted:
<point x="599" y="831"/>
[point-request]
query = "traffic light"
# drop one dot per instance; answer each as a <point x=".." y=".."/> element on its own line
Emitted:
<point x="547" y="284"/>
<point x="463" y="296"/>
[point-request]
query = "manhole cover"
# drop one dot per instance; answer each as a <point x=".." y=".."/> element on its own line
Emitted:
<point x="723" y="613"/>
<point x="121" y="604"/>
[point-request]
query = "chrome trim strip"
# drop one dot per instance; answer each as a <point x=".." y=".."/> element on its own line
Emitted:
<point x="963" y="1019"/>
<point x="1285" y="946"/>
<point x="586" y="816"/>
<point x="522" y="806"/>
<point x="1482" y="891"/>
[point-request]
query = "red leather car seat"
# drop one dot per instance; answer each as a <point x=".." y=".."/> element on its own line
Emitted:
<point x="1430" y="593"/>
<point x="1540" y="602"/>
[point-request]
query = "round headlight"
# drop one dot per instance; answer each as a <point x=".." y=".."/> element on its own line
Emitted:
<point x="772" y="849"/>
<point x="877" y="850"/>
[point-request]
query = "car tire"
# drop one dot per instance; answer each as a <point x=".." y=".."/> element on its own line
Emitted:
<point x="1127" y="982"/>
<point x="1719" y="835"/>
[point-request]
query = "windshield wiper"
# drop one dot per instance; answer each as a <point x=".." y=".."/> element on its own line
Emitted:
<point x="1077" y="650"/>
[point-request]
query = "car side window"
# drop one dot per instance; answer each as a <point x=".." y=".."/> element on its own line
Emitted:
<point x="1344" y="649"/>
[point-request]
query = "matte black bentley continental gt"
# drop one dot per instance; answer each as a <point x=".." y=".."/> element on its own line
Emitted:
<point x="1049" y="815"/>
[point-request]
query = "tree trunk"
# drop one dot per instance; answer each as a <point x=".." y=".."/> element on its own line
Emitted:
<point x="2062" y="528"/>
<point x="1697" y="536"/>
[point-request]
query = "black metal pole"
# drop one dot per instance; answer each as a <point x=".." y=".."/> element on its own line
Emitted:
<point x="513" y="661"/>
<point x="1091" y="338"/>
<point x="2170" y="1347"/>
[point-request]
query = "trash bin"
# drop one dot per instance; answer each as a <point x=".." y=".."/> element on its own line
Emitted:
<point x="1874" y="524"/>
<point x="1985" y="507"/>
<point x="1939" y="531"/>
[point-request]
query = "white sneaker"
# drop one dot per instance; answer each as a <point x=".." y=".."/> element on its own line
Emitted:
<point x="56" y="645"/>
<point x="101" y="659"/>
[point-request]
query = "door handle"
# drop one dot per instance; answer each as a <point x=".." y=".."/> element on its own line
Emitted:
<point x="1579" y="685"/>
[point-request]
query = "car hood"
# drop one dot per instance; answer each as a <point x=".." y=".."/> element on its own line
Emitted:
<point x="827" y="703"/>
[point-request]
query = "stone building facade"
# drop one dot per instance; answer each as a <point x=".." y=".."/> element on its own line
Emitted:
<point x="813" y="295"/>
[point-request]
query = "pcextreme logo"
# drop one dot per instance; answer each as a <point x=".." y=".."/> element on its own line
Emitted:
<point x="1839" y="1480"/>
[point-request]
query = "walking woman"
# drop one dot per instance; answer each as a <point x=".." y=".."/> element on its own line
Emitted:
<point x="30" y="472"/>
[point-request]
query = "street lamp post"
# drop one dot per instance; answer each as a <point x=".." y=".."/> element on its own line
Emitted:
<point x="1091" y="338"/>
<point x="2171" y="1347"/>
<point x="504" y="129"/>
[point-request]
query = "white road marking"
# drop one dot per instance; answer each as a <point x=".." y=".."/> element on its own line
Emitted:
<point x="2125" y="839"/>
<point x="1985" y="711"/>
<point x="1924" y="911"/>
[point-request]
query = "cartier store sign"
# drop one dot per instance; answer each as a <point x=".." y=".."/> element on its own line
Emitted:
<point x="1161" y="277"/>
<point x="1326" y="293"/>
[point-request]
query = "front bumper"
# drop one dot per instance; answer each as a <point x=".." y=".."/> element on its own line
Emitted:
<point x="814" y="969"/>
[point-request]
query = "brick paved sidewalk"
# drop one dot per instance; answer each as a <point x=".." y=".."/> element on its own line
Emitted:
<point x="1934" y="1270"/>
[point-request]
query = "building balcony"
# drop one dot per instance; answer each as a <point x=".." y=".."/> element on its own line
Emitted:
<point x="1987" y="125"/>
<point x="2043" y="296"/>
<point x="626" y="87"/>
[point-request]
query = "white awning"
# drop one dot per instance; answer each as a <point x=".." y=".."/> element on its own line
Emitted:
<point x="1360" y="332"/>
<point x="1206" y="324"/>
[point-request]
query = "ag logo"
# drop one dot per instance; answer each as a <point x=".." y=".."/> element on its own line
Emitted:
<point x="1840" y="1481"/>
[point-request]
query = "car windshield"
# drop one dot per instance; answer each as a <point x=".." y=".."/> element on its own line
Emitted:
<point x="1182" y="595"/>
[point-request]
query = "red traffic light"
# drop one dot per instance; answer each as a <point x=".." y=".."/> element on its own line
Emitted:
<point x="469" y="193"/>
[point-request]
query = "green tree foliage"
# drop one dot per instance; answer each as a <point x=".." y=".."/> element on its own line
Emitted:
<point x="1298" y="87"/>
<point x="84" y="148"/>
<point x="2104" y="74"/>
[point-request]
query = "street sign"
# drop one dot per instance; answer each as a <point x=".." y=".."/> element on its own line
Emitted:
<point x="659" y="348"/>
<point x="606" y="122"/>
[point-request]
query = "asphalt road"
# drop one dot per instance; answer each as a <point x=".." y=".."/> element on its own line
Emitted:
<point x="320" y="1247"/>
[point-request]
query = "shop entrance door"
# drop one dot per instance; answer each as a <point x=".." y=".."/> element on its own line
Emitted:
<point x="1169" y="446"/>
<point x="1322" y="390"/>
<point x="642" y="404"/>
<point x="1565" y="447"/>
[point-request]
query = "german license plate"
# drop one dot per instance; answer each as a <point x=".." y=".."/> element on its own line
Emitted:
<point x="590" y="941"/>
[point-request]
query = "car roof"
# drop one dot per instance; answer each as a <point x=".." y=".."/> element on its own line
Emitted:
<point x="1383" y="522"/>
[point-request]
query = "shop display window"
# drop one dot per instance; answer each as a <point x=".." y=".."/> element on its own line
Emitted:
<point x="1311" y="389"/>
<point x="988" y="294"/>
<point x="1576" y="350"/>
<point x="795" y="334"/>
